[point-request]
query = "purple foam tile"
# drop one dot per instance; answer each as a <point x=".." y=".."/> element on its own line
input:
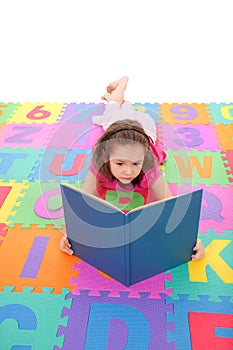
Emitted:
<point x="75" y="112"/>
<point x="138" y="321"/>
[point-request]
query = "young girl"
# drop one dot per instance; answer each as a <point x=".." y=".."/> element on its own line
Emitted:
<point x="124" y="159"/>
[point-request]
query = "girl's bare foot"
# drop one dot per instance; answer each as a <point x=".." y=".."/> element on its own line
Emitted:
<point x="115" y="90"/>
<point x="105" y="97"/>
<point x="112" y="86"/>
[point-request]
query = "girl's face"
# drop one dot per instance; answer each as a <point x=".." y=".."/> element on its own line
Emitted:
<point x="126" y="161"/>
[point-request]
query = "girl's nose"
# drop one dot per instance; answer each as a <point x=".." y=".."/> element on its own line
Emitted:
<point x="128" y="169"/>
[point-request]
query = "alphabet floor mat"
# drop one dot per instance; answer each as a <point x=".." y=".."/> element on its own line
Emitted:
<point x="49" y="300"/>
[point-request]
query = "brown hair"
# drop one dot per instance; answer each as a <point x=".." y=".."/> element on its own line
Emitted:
<point x="122" y="132"/>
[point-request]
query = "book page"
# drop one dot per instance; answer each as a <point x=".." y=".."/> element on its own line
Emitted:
<point x="98" y="199"/>
<point x="116" y="208"/>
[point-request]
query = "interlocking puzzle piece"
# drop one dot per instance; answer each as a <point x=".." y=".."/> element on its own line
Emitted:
<point x="80" y="135"/>
<point x="3" y="231"/>
<point x="11" y="195"/>
<point x="38" y="113"/>
<point x="74" y="112"/>
<point x="153" y="109"/>
<point x="216" y="330"/>
<point x="42" y="205"/>
<point x="184" y="113"/>
<point x="17" y="164"/>
<point x="7" y="110"/>
<point x="227" y="158"/>
<point x="87" y="274"/>
<point x="225" y="135"/>
<point x="216" y="210"/>
<point x="221" y="113"/>
<point x="212" y="275"/>
<point x="189" y="137"/>
<point x="103" y="320"/>
<point x="26" y="135"/>
<point x="29" y="320"/>
<point x="63" y="165"/>
<point x="184" y="307"/>
<point x="40" y="263"/>
<point x="195" y="167"/>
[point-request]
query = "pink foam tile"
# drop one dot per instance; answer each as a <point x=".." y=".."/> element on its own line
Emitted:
<point x="217" y="203"/>
<point x="189" y="137"/>
<point x="80" y="135"/>
<point x="89" y="278"/>
<point x="25" y="135"/>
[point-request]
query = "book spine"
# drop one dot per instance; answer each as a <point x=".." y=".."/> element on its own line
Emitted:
<point x="127" y="251"/>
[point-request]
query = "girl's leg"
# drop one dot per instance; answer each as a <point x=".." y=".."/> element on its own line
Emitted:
<point x="116" y="90"/>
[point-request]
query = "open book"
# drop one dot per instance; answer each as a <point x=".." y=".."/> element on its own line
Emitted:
<point x="131" y="247"/>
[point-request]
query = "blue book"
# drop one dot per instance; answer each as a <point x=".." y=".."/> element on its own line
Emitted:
<point x="131" y="247"/>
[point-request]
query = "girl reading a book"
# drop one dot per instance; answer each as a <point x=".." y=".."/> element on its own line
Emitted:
<point x="126" y="157"/>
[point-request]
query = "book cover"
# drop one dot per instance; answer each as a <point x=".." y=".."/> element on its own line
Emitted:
<point x="131" y="247"/>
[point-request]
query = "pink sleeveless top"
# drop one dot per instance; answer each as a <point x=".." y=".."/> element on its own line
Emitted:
<point x="131" y="195"/>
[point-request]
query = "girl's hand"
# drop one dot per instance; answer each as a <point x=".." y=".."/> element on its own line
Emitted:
<point x="65" y="245"/>
<point x="200" y="251"/>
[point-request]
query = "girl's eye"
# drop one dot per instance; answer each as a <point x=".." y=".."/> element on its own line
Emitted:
<point x="119" y="163"/>
<point x="137" y="164"/>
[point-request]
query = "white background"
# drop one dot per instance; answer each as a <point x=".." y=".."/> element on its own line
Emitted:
<point x="67" y="51"/>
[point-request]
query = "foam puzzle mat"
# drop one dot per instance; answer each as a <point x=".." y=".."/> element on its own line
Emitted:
<point x="49" y="300"/>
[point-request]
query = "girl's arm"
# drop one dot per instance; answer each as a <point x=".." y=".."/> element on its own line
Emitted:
<point x="161" y="189"/>
<point x="65" y="246"/>
<point x="199" y="251"/>
<point x="89" y="184"/>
